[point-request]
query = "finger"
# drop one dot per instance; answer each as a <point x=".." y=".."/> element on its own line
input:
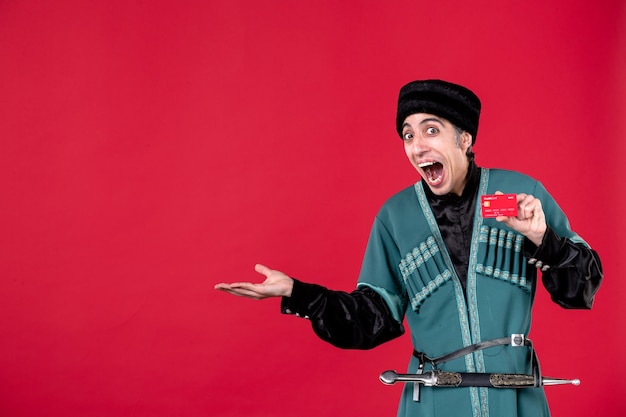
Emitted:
<point x="239" y="285"/>
<point x="234" y="286"/>
<point x="262" y="269"/>
<point x="242" y="292"/>
<point x="531" y="206"/>
<point x="522" y="201"/>
<point x="521" y="197"/>
<point x="537" y="208"/>
<point x="243" y="289"/>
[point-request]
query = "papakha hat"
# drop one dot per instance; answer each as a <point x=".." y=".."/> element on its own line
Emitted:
<point x="453" y="102"/>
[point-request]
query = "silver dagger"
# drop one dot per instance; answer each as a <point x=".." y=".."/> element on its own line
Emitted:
<point x="463" y="379"/>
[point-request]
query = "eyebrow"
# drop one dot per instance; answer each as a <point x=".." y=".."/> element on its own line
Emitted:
<point x="426" y="120"/>
<point x="431" y="119"/>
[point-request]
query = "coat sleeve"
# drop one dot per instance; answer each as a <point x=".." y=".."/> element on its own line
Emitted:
<point x="571" y="270"/>
<point x="357" y="320"/>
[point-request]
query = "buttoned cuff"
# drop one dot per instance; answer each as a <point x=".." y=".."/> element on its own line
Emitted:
<point x="546" y="255"/>
<point x="304" y="299"/>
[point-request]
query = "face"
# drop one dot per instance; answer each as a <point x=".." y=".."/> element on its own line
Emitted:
<point x="437" y="151"/>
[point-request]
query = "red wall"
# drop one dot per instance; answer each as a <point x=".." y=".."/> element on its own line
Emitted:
<point x="150" y="149"/>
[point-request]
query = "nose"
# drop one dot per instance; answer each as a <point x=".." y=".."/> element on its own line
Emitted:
<point x="418" y="146"/>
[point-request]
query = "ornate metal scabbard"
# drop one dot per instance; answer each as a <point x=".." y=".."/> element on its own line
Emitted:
<point x="462" y="379"/>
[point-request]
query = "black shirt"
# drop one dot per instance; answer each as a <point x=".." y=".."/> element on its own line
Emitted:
<point x="455" y="217"/>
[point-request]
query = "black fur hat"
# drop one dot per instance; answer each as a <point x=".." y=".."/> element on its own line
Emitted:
<point x="453" y="102"/>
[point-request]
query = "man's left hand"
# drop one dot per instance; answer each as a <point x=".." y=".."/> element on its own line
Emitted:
<point x="530" y="220"/>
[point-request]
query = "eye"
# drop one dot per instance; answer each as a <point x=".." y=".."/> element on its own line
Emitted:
<point x="432" y="131"/>
<point x="407" y="136"/>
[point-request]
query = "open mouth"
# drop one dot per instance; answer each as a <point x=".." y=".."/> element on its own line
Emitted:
<point x="433" y="172"/>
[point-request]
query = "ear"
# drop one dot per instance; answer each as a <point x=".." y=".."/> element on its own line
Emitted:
<point x="466" y="140"/>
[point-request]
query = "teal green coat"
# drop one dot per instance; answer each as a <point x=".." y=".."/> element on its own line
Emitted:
<point x="407" y="263"/>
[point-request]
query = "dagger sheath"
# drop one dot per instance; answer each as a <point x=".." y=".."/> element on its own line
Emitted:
<point x="463" y="379"/>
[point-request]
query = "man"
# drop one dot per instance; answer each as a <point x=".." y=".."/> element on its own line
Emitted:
<point x="465" y="284"/>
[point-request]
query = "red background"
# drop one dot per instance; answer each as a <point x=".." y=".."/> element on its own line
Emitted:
<point x="150" y="149"/>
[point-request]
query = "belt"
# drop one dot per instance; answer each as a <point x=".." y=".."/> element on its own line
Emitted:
<point x="438" y="378"/>
<point x="515" y="340"/>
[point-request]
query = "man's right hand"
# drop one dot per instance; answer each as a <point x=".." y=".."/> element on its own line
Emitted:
<point x="276" y="284"/>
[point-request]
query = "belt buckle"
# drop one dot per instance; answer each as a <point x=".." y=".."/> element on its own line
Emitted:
<point x="517" y="340"/>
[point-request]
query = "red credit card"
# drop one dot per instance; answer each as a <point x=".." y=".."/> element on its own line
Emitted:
<point x="494" y="205"/>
